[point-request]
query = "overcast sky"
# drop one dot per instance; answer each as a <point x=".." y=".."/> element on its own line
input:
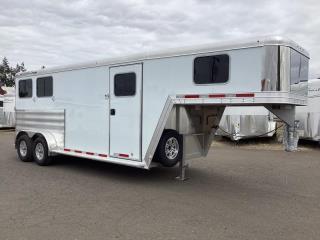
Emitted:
<point x="61" y="32"/>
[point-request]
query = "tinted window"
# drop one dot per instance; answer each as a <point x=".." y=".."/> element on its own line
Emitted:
<point x="304" y="72"/>
<point x="125" y="84"/>
<point x="1" y="103"/>
<point x="25" y="88"/>
<point x="295" y="67"/>
<point x="44" y="87"/>
<point x="211" y="69"/>
<point x="299" y="67"/>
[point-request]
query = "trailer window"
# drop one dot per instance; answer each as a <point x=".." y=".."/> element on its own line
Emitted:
<point x="1" y="103"/>
<point x="211" y="69"/>
<point x="25" y="88"/>
<point x="304" y="71"/>
<point x="44" y="87"/>
<point x="299" y="67"/>
<point x="125" y="84"/>
<point x="295" y="67"/>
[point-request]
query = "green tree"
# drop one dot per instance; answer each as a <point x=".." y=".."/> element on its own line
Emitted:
<point x="7" y="73"/>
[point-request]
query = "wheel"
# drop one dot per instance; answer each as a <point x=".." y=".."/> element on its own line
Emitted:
<point x="40" y="152"/>
<point x="169" y="151"/>
<point x="24" y="148"/>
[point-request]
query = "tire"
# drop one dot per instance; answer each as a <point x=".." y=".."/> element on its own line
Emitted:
<point x="40" y="152"/>
<point x="169" y="150"/>
<point x="24" y="148"/>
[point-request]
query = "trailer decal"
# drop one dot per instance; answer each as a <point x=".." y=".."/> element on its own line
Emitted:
<point x="87" y="153"/>
<point x="122" y="155"/>
<point x="102" y="155"/>
<point x="245" y="95"/>
<point x="218" y="95"/>
<point x="192" y="96"/>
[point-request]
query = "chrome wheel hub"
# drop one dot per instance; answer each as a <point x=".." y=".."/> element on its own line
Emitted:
<point x="23" y="148"/>
<point x="39" y="150"/>
<point x="172" y="148"/>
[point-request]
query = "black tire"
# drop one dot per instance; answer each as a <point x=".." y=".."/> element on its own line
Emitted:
<point x="164" y="155"/>
<point x="24" y="148"/>
<point x="40" y="152"/>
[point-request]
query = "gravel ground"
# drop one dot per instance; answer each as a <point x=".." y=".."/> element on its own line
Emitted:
<point x="234" y="193"/>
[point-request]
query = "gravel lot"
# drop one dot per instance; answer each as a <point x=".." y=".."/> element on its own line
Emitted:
<point x="235" y="193"/>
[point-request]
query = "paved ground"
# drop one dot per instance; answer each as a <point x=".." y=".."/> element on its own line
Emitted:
<point x="235" y="193"/>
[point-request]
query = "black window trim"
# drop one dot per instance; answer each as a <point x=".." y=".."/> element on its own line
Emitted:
<point x="114" y="85"/>
<point x="210" y="84"/>
<point x="37" y="87"/>
<point x="31" y="87"/>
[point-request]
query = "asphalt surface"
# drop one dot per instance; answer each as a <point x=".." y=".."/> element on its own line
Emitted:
<point x="234" y="193"/>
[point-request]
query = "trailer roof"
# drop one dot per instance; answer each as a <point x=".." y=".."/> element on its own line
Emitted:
<point x="239" y="44"/>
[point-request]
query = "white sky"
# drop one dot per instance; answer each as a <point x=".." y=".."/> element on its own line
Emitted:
<point x="61" y="32"/>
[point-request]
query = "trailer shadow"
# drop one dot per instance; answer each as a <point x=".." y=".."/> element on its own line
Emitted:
<point x="109" y="170"/>
<point x="309" y="144"/>
<point x="202" y="181"/>
<point x="270" y="143"/>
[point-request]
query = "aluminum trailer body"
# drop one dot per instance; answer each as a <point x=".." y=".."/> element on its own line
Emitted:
<point x="7" y="105"/>
<point x="309" y="116"/>
<point x="134" y="100"/>
<point x="246" y="122"/>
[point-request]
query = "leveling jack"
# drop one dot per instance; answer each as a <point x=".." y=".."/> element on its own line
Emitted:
<point x="183" y="165"/>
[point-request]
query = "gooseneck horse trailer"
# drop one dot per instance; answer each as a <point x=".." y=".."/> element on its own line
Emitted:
<point x="158" y="107"/>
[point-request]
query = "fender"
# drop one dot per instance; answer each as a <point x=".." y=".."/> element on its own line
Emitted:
<point x="51" y="139"/>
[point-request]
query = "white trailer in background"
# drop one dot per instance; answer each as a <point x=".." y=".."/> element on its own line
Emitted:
<point x="246" y="122"/>
<point x="7" y="104"/>
<point x="309" y="116"/>
<point x="159" y="107"/>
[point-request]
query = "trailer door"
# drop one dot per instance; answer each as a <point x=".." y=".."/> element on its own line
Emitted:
<point x="125" y="111"/>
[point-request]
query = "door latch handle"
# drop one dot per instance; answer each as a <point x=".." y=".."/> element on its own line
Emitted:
<point x="112" y="111"/>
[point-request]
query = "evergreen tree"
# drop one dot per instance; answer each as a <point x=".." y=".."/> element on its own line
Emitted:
<point x="7" y="73"/>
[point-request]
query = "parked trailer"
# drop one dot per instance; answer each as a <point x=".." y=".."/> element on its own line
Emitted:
<point x="246" y="122"/>
<point x="7" y="104"/>
<point x="309" y="116"/>
<point x="159" y="107"/>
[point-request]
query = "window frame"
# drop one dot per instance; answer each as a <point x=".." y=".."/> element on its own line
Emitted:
<point x="209" y="84"/>
<point x="28" y="79"/>
<point x="40" y="78"/>
<point x="135" y="86"/>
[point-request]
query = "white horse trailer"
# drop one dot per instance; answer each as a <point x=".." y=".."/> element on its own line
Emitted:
<point x="158" y="107"/>
<point x="246" y="122"/>
<point x="7" y="104"/>
<point x="309" y="116"/>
